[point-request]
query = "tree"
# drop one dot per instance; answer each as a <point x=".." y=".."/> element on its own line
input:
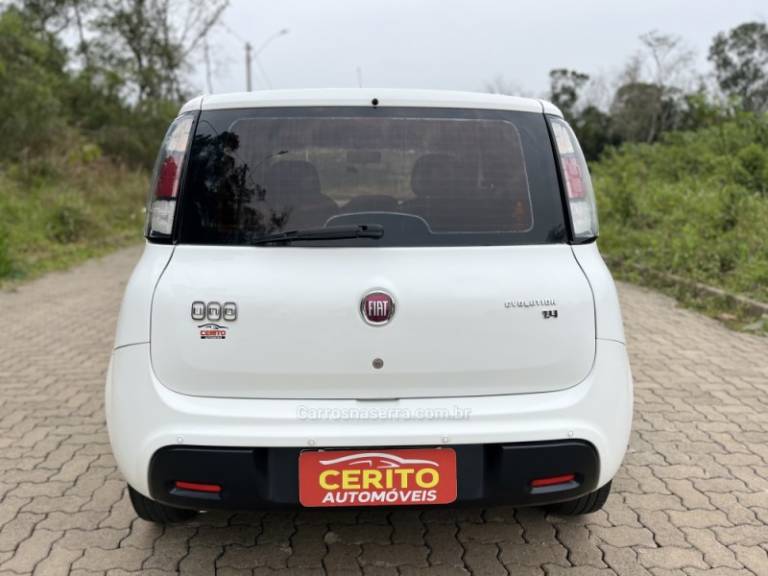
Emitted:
<point x="31" y="78"/>
<point x="595" y="131"/>
<point x="149" y="42"/>
<point x="651" y="97"/>
<point x="565" y="87"/>
<point x="500" y="85"/>
<point x="51" y="18"/>
<point x="740" y="58"/>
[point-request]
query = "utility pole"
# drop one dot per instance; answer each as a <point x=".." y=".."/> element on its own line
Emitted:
<point x="248" y="84"/>
<point x="207" y="55"/>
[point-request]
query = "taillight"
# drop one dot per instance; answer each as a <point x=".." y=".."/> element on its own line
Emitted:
<point x="578" y="184"/>
<point x="165" y="180"/>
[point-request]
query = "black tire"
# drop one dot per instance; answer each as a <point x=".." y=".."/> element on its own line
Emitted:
<point x="587" y="504"/>
<point x="152" y="511"/>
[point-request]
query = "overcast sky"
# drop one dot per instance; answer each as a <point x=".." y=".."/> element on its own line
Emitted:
<point x="452" y="44"/>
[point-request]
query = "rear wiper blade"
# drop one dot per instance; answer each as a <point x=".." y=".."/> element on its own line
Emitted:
<point x="318" y="234"/>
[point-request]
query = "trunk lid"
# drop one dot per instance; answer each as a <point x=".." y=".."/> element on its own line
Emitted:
<point x="469" y="321"/>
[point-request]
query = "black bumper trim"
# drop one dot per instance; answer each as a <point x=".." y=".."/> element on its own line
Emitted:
<point x="259" y="478"/>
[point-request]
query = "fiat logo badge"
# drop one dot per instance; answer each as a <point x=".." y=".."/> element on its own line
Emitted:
<point x="377" y="308"/>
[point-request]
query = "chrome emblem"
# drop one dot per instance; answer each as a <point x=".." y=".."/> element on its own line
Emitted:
<point x="198" y="310"/>
<point x="229" y="311"/>
<point x="377" y="308"/>
<point x="214" y="311"/>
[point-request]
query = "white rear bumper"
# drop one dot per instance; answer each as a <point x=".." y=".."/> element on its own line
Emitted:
<point x="143" y="416"/>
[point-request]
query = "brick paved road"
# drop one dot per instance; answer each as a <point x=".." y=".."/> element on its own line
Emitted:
<point x="691" y="499"/>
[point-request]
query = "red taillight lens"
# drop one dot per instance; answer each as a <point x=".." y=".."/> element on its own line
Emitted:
<point x="553" y="480"/>
<point x="574" y="180"/>
<point x="167" y="179"/>
<point x="197" y="487"/>
<point x="165" y="182"/>
<point x="578" y="184"/>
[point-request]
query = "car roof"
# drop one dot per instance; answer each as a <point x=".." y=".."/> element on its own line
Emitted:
<point x="364" y="97"/>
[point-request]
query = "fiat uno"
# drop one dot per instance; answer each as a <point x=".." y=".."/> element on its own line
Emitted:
<point x="369" y="298"/>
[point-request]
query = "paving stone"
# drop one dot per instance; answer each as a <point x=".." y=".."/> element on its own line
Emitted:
<point x="100" y="559"/>
<point x="623" y="560"/>
<point x="625" y="536"/>
<point x="671" y="558"/>
<point x="490" y="532"/>
<point x="201" y="561"/>
<point x="17" y="530"/>
<point x="342" y="558"/>
<point x="698" y="518"/>
<point x="394" y="555"/>
<point x="58" y="562"/>
<point x="715" y="554"/>
<point x="582" y="547"/>
<point x="753" y="558"/>
<point x="31" y="551"/>
<point x="484" y="559"/>
<point x="691" y="499"/>
<point x="536" y="554"/>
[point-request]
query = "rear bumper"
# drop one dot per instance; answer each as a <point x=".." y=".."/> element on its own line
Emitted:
<point x="252" y="478"/>
<point x="144" y="417"/>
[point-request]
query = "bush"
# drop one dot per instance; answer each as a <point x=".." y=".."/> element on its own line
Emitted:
<point x="60" y="210"/>
<point x="694" y="204"/>
<point x="6" y="264"/>
<point x="68" y="220"/>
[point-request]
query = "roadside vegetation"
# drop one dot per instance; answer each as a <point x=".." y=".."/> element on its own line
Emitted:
<point x="679" y="155"/>
<point x="81" y="122"/>
<point x="63" y="210"/>
<point x="680" y="163"/>
<point x="692" y="208"/>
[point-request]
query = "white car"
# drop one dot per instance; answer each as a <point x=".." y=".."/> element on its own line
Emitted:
<point x="365" y="298"/>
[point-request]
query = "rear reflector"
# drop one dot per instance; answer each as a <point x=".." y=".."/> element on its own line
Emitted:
<point x="553" y="480"/>
<point x="196" y="487"/>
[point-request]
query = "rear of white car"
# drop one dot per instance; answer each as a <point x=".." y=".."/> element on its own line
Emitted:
<point x="369" y="298"/>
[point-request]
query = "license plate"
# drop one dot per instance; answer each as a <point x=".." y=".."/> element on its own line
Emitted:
<point x="408" y="477"/>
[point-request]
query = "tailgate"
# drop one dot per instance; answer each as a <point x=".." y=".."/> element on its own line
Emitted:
<point x="468" y="321"/>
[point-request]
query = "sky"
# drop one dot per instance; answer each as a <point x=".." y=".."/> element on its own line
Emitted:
<point x="451" y="44"/>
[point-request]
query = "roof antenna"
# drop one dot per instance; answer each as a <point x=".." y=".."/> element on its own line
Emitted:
<point x="359" y="77"/>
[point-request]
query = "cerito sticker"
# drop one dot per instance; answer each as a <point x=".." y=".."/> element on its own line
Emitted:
<point x="212" y="331"/>
<point x="377" y="477"/>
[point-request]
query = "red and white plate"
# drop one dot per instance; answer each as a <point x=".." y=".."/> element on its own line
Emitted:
<point x="407" y="477"/>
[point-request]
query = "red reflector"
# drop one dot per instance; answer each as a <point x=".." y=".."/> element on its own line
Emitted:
<point x="195" y="487"/>
<point x="552" y="480"/>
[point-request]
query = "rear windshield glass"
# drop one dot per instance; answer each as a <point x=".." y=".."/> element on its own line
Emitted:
<point x="429" y="177"/>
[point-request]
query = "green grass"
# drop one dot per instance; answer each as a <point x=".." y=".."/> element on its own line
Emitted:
<point x="694" y="205"/>
<point x="57" y="212"/>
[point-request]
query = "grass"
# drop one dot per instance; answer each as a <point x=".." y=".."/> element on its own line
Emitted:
<point x="59" y="211"/>
<point x="694" y="205"/>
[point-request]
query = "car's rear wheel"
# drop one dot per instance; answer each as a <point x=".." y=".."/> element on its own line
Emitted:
<point x="587" y="504"/>
<point x="152" y="511"/>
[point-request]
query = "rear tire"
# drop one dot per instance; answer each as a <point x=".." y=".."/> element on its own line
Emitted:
<point x="587" y="504"/>
<point x="156" y="512"/>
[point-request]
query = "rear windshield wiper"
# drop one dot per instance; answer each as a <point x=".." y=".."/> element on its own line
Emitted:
<point x="319" y="234"/>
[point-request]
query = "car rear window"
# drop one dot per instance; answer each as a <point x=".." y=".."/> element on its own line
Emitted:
<point x="430" y="177"/>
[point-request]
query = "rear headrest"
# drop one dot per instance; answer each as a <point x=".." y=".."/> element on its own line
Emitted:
<point x="434" y="175"/>
<point x="291" y="179"/>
